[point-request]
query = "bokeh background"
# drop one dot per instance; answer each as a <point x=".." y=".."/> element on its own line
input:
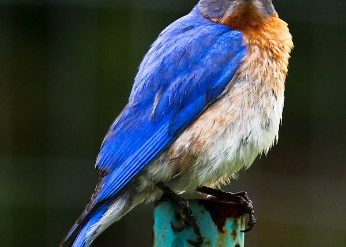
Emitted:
<point x="66" y="69"/>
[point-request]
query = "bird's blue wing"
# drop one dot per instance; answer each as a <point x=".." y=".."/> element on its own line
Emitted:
<point x="186" y="70"/>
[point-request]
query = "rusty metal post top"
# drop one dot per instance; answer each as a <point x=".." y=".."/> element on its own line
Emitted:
<point x="220" y="224"/>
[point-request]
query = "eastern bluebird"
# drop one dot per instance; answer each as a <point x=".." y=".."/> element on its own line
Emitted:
<point x="207" y="100"/>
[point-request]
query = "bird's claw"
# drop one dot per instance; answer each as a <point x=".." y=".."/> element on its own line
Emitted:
<point x="185" y="216"/>
<point x="177" y="228"/>
<point x="247" y="209"/>
<point x="197" y="242"/>
<point x="240" y="199"/>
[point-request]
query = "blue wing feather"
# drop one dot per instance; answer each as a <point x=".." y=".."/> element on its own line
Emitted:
<point x="186" y="69"/>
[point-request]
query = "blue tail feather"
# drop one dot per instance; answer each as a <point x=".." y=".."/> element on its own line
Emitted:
<point x="84" y="237"/>
<point x="80" y="235"/>
<point x="84" y="231"/>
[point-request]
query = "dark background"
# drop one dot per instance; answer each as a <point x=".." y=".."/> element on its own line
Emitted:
<point x="66" y="69"/>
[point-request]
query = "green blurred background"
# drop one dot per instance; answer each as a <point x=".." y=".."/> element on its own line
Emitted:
<point x="66" y="69"/>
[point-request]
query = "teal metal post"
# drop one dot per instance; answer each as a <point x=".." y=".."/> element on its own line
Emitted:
<point x="220" y="225"/>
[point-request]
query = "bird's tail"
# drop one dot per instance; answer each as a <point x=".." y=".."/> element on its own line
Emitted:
<point x="94" y="221"/>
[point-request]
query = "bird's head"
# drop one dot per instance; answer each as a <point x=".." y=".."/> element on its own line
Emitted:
<point x="238" y="14"/>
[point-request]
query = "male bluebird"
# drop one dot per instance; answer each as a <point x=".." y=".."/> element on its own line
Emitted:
<point x="207" y="100"/>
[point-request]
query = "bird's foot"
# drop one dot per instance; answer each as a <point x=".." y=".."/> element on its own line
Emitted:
<point x="240" y="199"/>
<point x="184" y="215"/>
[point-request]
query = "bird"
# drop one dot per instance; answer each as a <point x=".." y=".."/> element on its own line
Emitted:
<point x="207" y="100"/>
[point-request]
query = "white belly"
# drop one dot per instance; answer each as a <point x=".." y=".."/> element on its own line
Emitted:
<point x="223" y="140"/>
<point x="254" y="132"/>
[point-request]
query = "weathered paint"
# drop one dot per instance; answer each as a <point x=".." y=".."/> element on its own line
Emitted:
<point x="219" y="222"/>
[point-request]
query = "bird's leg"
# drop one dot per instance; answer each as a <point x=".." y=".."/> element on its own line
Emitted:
<point x="240" y="199"/>
<point x="184" y="214"/>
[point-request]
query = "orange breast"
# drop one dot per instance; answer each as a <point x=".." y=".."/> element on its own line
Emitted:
<point x="255" y="99"/>
<point x="269" y="42"/>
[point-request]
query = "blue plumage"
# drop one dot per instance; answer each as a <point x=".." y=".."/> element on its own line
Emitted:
<point x="187" y="68"/>
<point x="82" y="238"/>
